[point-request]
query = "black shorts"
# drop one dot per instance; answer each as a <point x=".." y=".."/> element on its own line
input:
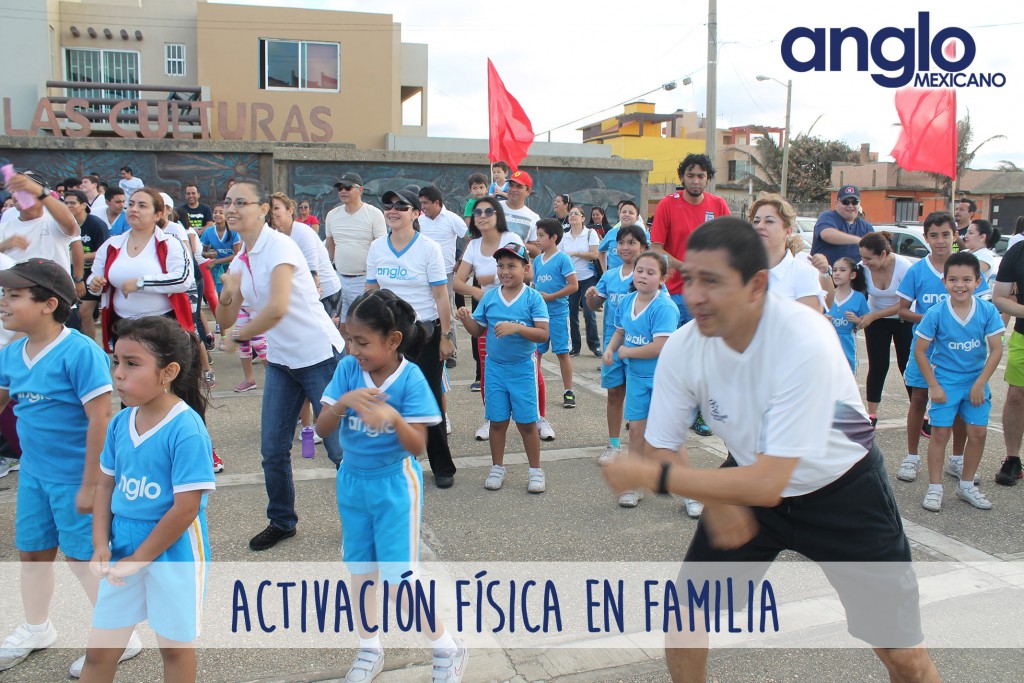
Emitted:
<point x="852" y="529"/>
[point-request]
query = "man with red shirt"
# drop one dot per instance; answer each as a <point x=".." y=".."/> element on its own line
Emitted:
<point x="676" y="217"/>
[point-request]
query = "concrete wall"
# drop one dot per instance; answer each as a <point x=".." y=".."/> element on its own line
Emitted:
<point x="23" y="34"/>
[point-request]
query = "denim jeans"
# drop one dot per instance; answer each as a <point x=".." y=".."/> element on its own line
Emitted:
<point x="284" y="390"/>
<point x="684" y="312"/>
<point x="576" y="301"/>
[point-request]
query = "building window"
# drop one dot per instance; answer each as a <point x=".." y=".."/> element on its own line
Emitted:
<point x="174" y="59"/>
<point x="300" y="65"/>
<point x="102" y="66"/>
<point x="740" y="169"/>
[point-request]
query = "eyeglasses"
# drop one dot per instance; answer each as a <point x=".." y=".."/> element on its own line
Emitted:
<point x="396" y="206"/>
<point x="303" y="206"/>
<point x="850" y="202"/>
<point x="239" y="204"/>
<point x="576" y="213"/>
<point x="343" y="186"/>
<point x="484" y="213"/>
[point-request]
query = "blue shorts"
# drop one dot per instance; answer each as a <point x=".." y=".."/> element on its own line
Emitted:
<point x="558" y="337"/>
<point x="684" y="312"/>
<point x="958" y="401"/>
<point x="912" y="376"/>
<point x="380" y="513"/>
<point x="45" y="518"/>
<point x="511" y="391"/>
<point x="638" y="396"/>
<point x="168" y="592"/>
<point x="613" y="375"/>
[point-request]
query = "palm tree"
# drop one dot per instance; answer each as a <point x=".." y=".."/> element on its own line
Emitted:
<point x="964" y="154"/>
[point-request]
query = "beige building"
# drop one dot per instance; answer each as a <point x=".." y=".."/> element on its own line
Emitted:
<point x="216" y="71"/>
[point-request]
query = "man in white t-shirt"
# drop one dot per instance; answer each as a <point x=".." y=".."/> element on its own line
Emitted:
<point x="520" y="219"/>
<point x="93" y="192"/>
<point x="445" y="228"/>
<point x="803" y="472"/>
<point x="129" y="183"/>
<point x="44" y="230"/>
<point x="351" y="228"/>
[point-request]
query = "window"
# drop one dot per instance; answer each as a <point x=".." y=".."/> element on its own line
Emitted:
<point x="740" y="169"/>
<point x="174" y="59"/>
<point x="299" y="65"/>
<point x="102" y="66"/>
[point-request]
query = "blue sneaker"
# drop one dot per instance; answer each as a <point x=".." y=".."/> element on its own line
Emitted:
<point x="701" y="427"/>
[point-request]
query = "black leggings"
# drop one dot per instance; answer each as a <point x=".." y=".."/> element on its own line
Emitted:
<point x="878" y="336"/>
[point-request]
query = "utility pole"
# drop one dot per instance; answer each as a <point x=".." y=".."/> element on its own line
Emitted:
<point x="710" y="116"/>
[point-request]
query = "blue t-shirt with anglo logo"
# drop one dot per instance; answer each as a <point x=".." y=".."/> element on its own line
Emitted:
<point x="171" y="457"/>
<point x="407" y="391"/>
<point x="857" y="304"/>
<point x="51" y="390"/>
<point x="960" y="347"/>
<point x="526" y="307"/>
<point x="923" y="286"/>
<point x="551" y="275"/>
<point x="659" y="318"/>
<point x="613" y="286"/>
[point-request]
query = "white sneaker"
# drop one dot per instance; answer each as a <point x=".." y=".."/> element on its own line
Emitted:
<point x="908" y="469"/>
<point x="484" y="433"/>
<point x="133" y="649"/>
<point x="693" y="507"/>
<point x="956" y="470"/>
<point x="367" y="665"/>
<point x="450" y="665"/>
<point x="317" y="439"/>
<point x="535" y="481"/>
<point x="607" y="455"/>
<point x="974" y="496"/>
<point x="932" y="501"/>
<point x="630" y="499"/>
<point x="7" y="466"/>
<point x="23" y="642"/>
<point x="495" y="479"/>
<point x="547" y="432"/>
<point x="448" y="424"/>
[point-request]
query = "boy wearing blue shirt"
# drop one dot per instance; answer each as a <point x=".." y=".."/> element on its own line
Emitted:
<point x="958" y="332"/>
<point x="554" y="276"/>
<point x="515" y="319"/>
<point x="61" y="380"/>
<point x="499" y="186"/>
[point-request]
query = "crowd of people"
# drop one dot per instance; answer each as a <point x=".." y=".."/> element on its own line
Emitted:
<point x="357" y="333"/>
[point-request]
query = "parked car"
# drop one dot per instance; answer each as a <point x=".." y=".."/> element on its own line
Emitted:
<point x="907" y="240"/>
<point x="805" y="228"/>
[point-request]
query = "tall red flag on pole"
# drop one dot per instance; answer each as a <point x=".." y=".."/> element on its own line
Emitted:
<point x="928" y="141"/>
<point x="511" y="132"/>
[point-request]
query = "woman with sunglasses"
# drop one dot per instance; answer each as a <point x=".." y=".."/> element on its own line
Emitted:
<point x="837" y="233"/>
<point x="272" y="277"/>
<point x="412" y="267"/>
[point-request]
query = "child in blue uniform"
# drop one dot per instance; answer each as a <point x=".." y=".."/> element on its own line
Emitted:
<point x="515" y="319"/>
<point x="149" y="519"/>
<point x="61" y="382"/>
<point x="959" y="333"/>
<point x="382" y="404"/>
<point x="849" y="305"/>
<point x="615" y="284"/>
<point x="554" y="276"/>
<point x="644" y="320"/>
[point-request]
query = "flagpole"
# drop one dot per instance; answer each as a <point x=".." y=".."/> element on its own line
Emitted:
<point x="956" y="157"/>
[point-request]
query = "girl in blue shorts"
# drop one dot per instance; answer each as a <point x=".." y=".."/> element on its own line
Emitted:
<point x="149" y="520"/>
<point x="382" y="404"/>
<point x="643" y="322"/>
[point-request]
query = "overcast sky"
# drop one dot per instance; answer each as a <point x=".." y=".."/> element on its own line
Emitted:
<point x="569" y="59"/>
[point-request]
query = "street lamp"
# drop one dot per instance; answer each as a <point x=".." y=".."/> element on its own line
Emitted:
<point x="788" y="85"/>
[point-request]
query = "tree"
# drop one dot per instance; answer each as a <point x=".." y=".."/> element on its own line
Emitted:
<point x="964" y="153"/>
<point x="810" y="166"/>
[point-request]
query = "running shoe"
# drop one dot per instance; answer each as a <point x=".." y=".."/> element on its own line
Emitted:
<point x="23" y="642"/>
<point x="495" y="478"/>
<point x="607" y="455"/>
<point x="701" y="427"/>
<point x="693" y="508"/>
<point x="484" y="432"/>
<point x="547" y="432"/>
<point x="368" y="663"/>
<point x="450" y="665"/>
<point x="269" y="537"/>
<point x="134" y="648"/>
<point x="932" y="501"/>
<point x="1009" y="472"/>
<point x="211" y="379"/>
<point x="974" y="496"/>
<point x="245" y="386"/>
<point x="450" y="363"/>
<point x="630" y="499"/>
<point x="535" y="481"/>
<point x="6" y="466"/>
<point x="475" y="386"/>
<point x="908" y="469"/>
<point x="210" y="343"/>
<point x="569" y="399"/>
<point x="218" y="464"/>
<point x="874" y="420"/>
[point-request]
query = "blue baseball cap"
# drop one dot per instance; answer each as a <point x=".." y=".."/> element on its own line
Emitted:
<point x="513" y="249"/>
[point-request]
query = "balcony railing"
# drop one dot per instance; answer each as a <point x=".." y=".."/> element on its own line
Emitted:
<point x="97" y="109"/>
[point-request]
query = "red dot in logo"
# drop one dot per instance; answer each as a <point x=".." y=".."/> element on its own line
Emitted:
<point x="950" y="49"/>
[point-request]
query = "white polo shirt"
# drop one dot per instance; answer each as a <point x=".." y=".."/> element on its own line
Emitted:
<point x="446" y="230"/>
<point x="794" y="279"/>
<point x="410" y="273"/>
<point x="305" y="336"/>
<point x="758" y="404"/>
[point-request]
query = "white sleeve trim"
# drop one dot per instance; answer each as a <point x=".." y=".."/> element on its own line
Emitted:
<point x="327" y="400"/>
<point x="428" y="420"/>
<point x="195" y="486"/>
<point x="918" y="333"/>
<point x="104" y="470"/>
<point x="105" y="389"/>
<point x="904" y="296"/>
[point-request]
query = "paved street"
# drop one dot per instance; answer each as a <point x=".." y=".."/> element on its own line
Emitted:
<point x="576" y="520"/>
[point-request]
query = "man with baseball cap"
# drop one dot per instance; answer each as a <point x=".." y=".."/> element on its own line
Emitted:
<point x="351" y="228"/>
<point x="837" y="233"/>
<point x="520" y="219"/>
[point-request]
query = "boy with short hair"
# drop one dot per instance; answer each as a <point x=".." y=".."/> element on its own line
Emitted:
<point x="554" y="276"/>
<point x="61" y="380"/>
<point x="515" y="319"/>
<point x="958" y="333"/>
<point x="499" y="172"/>
<point x="477" y="190"/>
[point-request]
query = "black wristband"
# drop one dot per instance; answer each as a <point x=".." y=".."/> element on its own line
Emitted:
<point x="662" y="489"/>
<point x="45" y="193"/>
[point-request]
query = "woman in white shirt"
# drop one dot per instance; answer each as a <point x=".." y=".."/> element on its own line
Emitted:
<point x="980" y="239"/>
<point x="773" y="218"/>
<point x="313" y="250"/>
<point x="581" y="243"/>
<point x="883" y="273"/>
<point x="304" y="346"/>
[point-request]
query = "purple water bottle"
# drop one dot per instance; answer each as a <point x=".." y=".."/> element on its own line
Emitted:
<point x="308" y="447"/>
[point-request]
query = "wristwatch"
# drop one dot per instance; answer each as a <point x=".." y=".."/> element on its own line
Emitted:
<point x="451" y="335"/>
<point x="44" y="194"/>
<point x="140" y="283"/>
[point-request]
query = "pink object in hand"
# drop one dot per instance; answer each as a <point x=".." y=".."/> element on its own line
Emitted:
<point x="23" y="199"/>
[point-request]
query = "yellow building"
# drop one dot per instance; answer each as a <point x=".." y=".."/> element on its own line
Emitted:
<point x="639" y="133"/>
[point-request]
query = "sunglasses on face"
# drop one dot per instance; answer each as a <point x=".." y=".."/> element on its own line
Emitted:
<point x="484" y="213"/>
<point x="850" y="202"/>
<point x="345" y="187"/>
<point x="396" y="206"/>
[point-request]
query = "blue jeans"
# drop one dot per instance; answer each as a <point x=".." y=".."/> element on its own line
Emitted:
<point x="284" y="390"/>
<point x="576" y="301"/>
<point x="684" y="312"/>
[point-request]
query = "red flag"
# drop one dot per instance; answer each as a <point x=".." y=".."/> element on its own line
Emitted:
<point x="928" y="141"/>
<point x="511" y="133"/>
